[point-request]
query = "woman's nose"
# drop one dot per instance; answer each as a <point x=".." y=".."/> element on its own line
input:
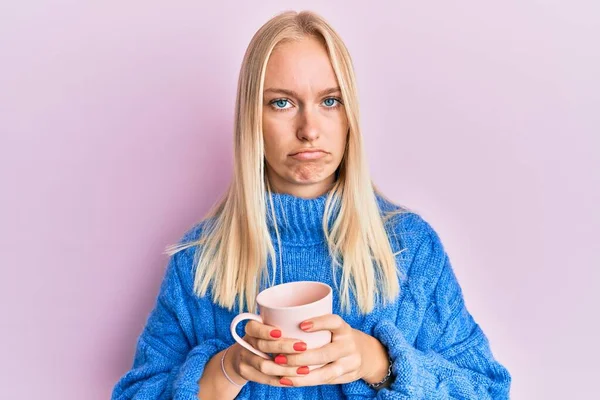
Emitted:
<point x="308" y="128"/>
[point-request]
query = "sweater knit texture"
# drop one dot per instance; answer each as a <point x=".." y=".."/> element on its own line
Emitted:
<point x="438" y="350"/>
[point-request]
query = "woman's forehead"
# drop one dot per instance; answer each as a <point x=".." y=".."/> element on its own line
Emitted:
<point x="300" y="67"/>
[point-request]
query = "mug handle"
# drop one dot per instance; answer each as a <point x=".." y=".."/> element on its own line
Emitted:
<point x="242" y="342"/>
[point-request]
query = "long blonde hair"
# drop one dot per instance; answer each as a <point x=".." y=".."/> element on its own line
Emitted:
<point x="236" y="243"/>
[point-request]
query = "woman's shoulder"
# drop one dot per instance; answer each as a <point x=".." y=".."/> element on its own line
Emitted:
<point x="401" y="220"/>
<point x="413" y="238"/>
<point x="185" y="252"/>
<point x="193" y="233"/>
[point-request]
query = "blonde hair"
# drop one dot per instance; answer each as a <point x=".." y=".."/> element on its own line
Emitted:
<point x="235" y="240"/>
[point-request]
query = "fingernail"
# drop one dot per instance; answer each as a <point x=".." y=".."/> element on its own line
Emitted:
<point x="286" y="382"/>
<point x="306" y="325"/>
<point x="280" y="359"/>
<point x="276" y="333"/>
<point x="303" y="370"/>
<point x="299" y="346"/>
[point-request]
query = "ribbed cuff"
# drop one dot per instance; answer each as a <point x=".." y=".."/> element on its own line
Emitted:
<point x="186" y="385"/>
<point x="358" y="389"/>
<point x="411" y="377"/>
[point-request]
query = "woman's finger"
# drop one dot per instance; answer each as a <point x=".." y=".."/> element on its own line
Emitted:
<point x="250" y="373"/>
<point x="329" y="322"/>
<point x="324" y="355"/>
<point x="281" y="346"/>
<point x="326" y="375"/>
<point x="262" y="331"/>
<point x="271" y="368"/>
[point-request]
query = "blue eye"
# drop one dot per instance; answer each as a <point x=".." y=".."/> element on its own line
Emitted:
<point x="330" y="99"/>
<point x="330" y="103"/>
<point x="281" y="102"/>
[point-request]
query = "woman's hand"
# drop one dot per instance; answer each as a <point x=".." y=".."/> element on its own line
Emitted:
<point x="243" y="365"/>
<point x="345" y="358"/>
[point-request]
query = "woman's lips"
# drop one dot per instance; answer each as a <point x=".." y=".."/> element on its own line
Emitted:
<point x="309" y="155"/>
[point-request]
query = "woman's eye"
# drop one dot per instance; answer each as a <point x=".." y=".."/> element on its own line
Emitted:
<point x="329" y="101"/>
<point x="280" y="104"/>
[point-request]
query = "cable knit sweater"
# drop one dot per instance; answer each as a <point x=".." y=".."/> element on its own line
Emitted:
<point x="437" y="349"/>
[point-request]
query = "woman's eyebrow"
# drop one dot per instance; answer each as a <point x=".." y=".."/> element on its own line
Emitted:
<point x="294" y="94"/>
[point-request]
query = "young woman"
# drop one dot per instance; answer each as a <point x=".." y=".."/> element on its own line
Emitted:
<point x="301" y="206"/>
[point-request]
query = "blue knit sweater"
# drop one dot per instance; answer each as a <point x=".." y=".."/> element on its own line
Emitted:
<point x="438" y="350"/>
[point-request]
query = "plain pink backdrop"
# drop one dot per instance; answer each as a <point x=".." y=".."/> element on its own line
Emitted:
<point x="116" y="136"/>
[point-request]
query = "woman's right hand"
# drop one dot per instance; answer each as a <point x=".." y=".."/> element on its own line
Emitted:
<point x="247" y="366"/>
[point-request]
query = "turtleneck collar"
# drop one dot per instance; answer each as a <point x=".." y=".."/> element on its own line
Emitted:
<point x="299" y="220"/>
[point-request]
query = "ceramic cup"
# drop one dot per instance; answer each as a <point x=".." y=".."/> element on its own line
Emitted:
<point x="287" y="305"/>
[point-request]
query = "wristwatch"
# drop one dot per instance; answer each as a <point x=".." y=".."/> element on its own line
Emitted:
<point x="379" y="384"/>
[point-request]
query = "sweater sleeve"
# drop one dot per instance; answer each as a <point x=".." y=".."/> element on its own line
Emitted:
<point x="172" y="350"/>
<point x="451" y="357"/>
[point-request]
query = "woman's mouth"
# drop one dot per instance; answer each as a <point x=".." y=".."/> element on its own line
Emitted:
<point x="309" y="155"/>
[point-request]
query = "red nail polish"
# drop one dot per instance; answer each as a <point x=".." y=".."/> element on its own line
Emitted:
<point x="303" y="371"/>
<point x="286" y="382"/>
<point x="276" y="333"/>
<point x="306" y="325"/>
<point x="280" y="359"/>
<point x="299" y="346"/>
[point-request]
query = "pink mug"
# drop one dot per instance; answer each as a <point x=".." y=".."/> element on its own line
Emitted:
<point x="287" y="305"/>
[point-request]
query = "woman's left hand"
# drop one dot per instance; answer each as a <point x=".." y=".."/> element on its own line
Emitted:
<point x="343" y="357"/>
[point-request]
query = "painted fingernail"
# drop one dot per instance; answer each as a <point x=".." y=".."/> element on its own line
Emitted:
<point x="303" y="371"/>
<point x="276" y="333"/>
<point x="299" y="346"/>
<point x="280" y="359"/>
<point x="286" y="382"/>
<point x="306" y="325"/>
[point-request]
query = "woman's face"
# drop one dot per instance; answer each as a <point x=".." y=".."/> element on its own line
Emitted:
<point x="302" y="110"/>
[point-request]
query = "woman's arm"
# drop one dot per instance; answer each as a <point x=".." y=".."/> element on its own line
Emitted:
<point x="451" y="356"/>
<point x="172" y="351"/>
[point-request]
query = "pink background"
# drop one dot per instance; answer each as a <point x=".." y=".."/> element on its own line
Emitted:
<point x="116" y="120"/>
